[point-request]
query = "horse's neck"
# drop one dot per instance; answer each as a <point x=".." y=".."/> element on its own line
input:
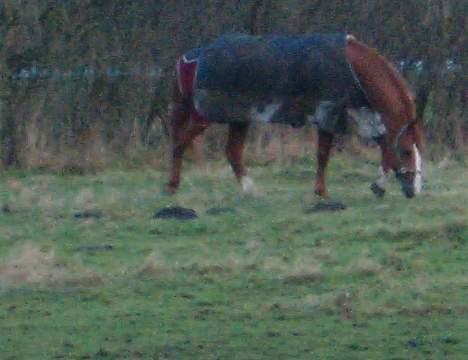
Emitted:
<point x="384" y="86"/>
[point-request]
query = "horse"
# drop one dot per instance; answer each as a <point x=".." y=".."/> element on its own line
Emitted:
<point x="294" y="79"/>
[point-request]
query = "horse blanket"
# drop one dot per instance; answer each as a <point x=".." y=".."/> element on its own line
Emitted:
<point x="280" y="79"/>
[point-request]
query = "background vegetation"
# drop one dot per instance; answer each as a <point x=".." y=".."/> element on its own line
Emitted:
<point x="81" y="81"/>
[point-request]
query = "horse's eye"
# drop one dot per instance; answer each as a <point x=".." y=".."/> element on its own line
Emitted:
<point x="405" y="153"/>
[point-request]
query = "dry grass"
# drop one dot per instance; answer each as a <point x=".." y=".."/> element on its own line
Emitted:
<point x="24" y="196"/>
<point x="31" y="265"/>
<point x="85" y="198"/>
<point x="326" y="255"/>
<point x="154" y="266"/>
<point x="205" y="267"/>
<point x="303" y="269"/>
<point x="364" y="265"/>
<point x="339" y="302"/>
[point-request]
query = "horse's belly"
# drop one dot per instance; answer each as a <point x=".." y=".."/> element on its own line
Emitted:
<point x="330" y="116"/>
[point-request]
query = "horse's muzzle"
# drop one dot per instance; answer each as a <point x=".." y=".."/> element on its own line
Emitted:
<point x="409" y="192"/>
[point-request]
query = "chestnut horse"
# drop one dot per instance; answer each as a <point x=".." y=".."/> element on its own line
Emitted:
<point x="292" y="79"/>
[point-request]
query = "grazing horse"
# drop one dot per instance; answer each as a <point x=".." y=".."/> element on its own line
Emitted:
<point x="324" y="78"/>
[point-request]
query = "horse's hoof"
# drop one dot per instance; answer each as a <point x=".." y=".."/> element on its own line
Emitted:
<point x="248" y="187"/>
<point x="377" y="190"/>
<point x="321" y="193"/>
<point x="170" y="190"/>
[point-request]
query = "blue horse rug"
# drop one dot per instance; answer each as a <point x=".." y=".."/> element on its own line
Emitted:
<point x="281" y="79"/>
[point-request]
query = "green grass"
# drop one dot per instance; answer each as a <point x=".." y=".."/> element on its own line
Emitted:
<point x="384" y="279"/>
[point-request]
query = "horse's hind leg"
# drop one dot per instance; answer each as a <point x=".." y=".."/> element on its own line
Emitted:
<point x="325" y="142"/>
<point x="182" y="137"/>
<point x="234" y="149"/>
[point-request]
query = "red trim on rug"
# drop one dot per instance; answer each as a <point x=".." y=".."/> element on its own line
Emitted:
<point x="186" y="75"/>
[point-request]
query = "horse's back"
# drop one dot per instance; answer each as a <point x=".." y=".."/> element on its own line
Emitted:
<point x="278" y="65"/>
<point x="278" y="78"/>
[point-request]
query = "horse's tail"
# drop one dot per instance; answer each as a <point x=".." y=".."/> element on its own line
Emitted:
<point x="156" y="113"/>
<point x="158" y="109"/>
<point x="180" y="97"/>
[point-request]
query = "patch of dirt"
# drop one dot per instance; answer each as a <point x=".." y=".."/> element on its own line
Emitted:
<point x="330" y="206"/>
<point x="6" y="209"/>
<point x="176" y="212"/>
<point x="33" y="266"/>
<point x="88" y="214"/>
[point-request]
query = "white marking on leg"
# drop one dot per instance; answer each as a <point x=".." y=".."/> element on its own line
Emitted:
<point x="248" y="186"/>
<point x="418" y="176"/>
<point x="323" y="110"/>
<point x="382" y="180"/>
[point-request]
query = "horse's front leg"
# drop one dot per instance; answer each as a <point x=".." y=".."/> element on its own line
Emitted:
<point x="325" y="142"/>
<point x="234" y="150"/>
<point x="378" y="186"/>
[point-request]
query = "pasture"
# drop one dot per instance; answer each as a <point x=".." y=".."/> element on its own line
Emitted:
<point x="86" y="272"/>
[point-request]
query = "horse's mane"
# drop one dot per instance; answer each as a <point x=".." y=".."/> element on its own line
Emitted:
<point x="394" y="76"/>
<point x="401" y="84"/>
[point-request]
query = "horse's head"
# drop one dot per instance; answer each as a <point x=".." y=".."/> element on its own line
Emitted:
<point x="407" y="163"/>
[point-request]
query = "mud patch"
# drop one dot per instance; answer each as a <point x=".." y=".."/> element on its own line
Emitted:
<point x="176" y="212"/>
<point x="326" y="206"/>
<point x="88" y="214"/>
<point x="6" y="209"/>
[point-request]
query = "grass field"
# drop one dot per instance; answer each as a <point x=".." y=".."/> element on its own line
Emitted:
<point x="86" y="272"/>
